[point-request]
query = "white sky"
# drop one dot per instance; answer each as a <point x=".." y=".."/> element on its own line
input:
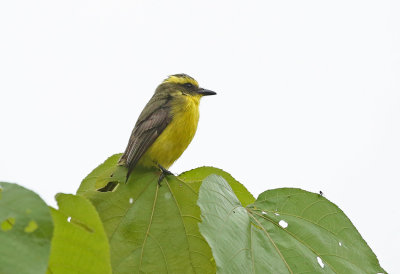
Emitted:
<point x="308" y="95"/>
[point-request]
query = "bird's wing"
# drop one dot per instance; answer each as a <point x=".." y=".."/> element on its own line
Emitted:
<point x="148" y="127"/>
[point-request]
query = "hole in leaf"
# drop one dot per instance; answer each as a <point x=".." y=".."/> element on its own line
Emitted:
<point x="283" y="223"/>
<point x="8" y="224"/>
<point x="110" y="186"/>
<point x="69" y="219"/>
<point x="32" y="226"/>
<point x="340" y="243"/>
<point x="131" y="200"/>
<point x="321" y="264"/>
<point x="263" y="213"/>
<point x="277" y="214"/>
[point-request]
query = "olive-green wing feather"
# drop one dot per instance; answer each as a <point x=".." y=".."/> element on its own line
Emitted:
<point x="153" y="120"/>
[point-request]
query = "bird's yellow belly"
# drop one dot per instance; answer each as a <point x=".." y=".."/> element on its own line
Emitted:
<point x="176" y="137"/>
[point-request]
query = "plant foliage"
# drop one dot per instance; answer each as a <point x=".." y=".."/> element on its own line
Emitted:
<point x="285" y="230"/>
<point x="79" y="243"/>
<point x="26" y="229"/>
<point x="202" y="221"/>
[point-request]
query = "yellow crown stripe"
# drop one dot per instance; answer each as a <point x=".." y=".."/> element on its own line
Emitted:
<point x="181" y="79"/>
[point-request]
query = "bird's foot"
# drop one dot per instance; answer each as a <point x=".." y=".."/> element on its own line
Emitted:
<point x="164" y="172"/>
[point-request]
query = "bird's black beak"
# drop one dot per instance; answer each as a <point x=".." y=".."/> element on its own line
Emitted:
<point x="205" y="92"/>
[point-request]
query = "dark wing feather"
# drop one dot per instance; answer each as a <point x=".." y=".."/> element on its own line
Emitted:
<point x="151" y="123"/>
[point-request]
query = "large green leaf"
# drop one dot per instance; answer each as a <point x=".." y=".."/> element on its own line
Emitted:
<point x="79" y="244"/>
<point x="166" y="223"/>
<point x="152" y="228"/>
<point x="285" y="231"/>
<point x="199" y="174"/>
<point x="25" y="230"/>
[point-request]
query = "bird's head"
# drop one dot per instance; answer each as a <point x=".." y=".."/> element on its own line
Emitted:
<point x="182" y="85"/>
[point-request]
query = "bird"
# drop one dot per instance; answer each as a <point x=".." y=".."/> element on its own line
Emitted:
<point x="166" y="125"/>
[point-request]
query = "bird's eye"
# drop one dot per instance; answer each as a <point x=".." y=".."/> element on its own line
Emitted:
<point x="188" y="85"/>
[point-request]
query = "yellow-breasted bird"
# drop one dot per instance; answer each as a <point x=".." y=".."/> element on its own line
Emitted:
<point x="166" y="125"/>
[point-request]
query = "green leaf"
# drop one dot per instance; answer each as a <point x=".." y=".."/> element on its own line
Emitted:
<point x="25" y="230"/>
<point x="100" y="176"/>
<point x="153" y="229"/>
<point x="79" y="243"/>
<point x="199" y="174"/>
<point x="285" y="231"/>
